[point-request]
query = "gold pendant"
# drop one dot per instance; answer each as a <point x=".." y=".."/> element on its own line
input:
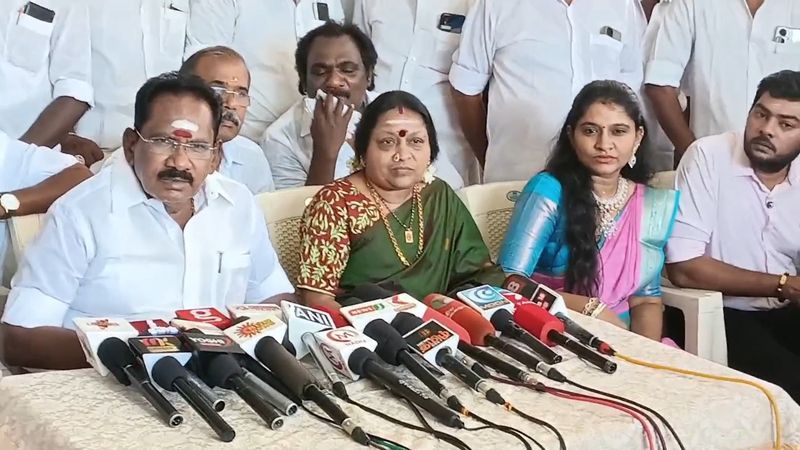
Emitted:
<point x="409" y="237"/>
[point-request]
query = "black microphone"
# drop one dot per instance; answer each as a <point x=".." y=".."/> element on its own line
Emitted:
<point x="437" y="344"/>
<point x="503" y="322"/>
<point x="365" y="363"/>
<point x="172" y="376"/>
<point x="584" y="336"/>
<point x="511" y="371"/>
<point x="120" y="361"/>
<point x="223" y="370"/>
<point x="394" y="350"/>
<point x="300" y="383"/>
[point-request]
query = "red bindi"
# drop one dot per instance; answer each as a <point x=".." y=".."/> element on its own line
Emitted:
<point x="182" y="134"/>
<point x="402" y="133"/>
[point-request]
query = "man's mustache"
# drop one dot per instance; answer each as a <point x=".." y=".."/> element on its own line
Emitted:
<point x="230" y="116"/>
<point x="175" y="173"/>
<point x="763" y="141"/>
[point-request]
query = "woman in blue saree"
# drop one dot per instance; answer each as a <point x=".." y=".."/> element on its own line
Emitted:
<point x="589" y="225"/>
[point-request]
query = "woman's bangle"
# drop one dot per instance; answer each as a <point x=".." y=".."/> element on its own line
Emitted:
<point x="591" y="306"/>
<point x="781" y="283"/>
<point x="598" y="310"/>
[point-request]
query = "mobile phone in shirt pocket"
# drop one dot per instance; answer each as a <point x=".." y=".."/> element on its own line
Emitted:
<point x="606" y="54"/>
<point x="233" y="274"/>
<point x="173" y="27"/>
<point x="28" y="41"/>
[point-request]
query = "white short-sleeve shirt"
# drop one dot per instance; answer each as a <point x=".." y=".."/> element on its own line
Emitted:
<point x="536" y="55"/>
<point x="266" y="34"/>
<point x="721" y="52"/>
<point x="107" y="250"/>
<point x="40" y="61"/>
<point x="131" y="41"/>
<point x="725" y="212"/>
<point x="24" y="165"/>
<point x="244" y="161"/>
<point x="415" y="55"/>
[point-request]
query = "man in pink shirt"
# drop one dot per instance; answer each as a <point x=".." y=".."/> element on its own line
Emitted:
<point x="738" y="231"/>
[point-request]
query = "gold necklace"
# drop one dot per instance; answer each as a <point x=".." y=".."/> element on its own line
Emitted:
<point x="409" y="234"/>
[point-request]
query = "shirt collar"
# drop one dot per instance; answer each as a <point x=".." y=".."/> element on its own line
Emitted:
<point x="126" y="191"/>
<point x="742" y="167"/>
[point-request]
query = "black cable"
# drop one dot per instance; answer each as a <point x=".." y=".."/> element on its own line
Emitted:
<point x="454" y="442"/>
<point x="561" y="444"/>
<point x="334" y="425"/>
<point x="508" y="430"/>
<point x="627" y="400"/>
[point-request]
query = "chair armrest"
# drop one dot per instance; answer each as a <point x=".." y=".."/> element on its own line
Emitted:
<point x="704" y="321"/>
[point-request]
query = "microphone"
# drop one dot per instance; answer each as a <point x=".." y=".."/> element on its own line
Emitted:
<point x="247" y="334"/>
<point x="404" y="303"/>
<point x="270" y="394"/>
<point x="438" y="345"/>
<point x="511" y="371"/>
<point x="363" y="362"/>
<point x="482" y="333"/>
<point x="211" y="316"/>
<point x="93" y="331"/>
<point x="304" y="320"/>
<point x="199" y="327"/>
<point x="536" y="293"/>
<point x="337" y="386"/>
<point x="301" y="384"/>
<point x="115" y="355"/>
<point x="361" y="314"/>
<point x="498" y="310"/>
<point x="170" y="374"/>
<point x="153" y="327"/>
<point x="337" y="345"/>
<point x="548" y="327"/>
<point x="435" y="301"/>
<point x="254" y="310"/>
<point x="394" y="350"/>
<point x="223" y="370"/>
<point x="584" y="336"/>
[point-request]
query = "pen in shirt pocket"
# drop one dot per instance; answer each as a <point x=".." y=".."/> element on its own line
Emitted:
<point x="219" y="262"/>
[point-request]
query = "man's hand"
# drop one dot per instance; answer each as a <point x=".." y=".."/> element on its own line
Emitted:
<point x="791" y="290"/>
<point x="85" y="150"/>
<point x="329" y="126"/>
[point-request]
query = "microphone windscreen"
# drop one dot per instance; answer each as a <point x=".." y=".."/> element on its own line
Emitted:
<point x="115" y="354"/>
<point x="405" y="322"/>
<point x="537" y="321"/>
<point x="338" y="318"/>
<point x="475" y="325"/>
<point x="358" y="359"/>
<point x="432" y="313"/>
<point x="270" y="353"/>
<point x="370" y="291"/>
<point x="220" y="368"/>
<point x="501" y="320"/>
<point x="390" y="342"/>
<point x="166" y="370"/>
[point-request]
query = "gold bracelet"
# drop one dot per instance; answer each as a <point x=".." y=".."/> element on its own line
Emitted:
<point x="600" y="308"/>
<point x="781" y="283"/>
<point x="590" y="306"/>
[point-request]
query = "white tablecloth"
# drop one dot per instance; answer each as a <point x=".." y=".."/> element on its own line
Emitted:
<point x="80" y="410"/>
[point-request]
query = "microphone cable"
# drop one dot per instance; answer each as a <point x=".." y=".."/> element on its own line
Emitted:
<point x="778" y="441"/>
<point x="375" y="440"/>
<point x="489" y="425"/>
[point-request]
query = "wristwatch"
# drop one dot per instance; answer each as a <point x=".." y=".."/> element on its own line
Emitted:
<point x="10" y="204"/>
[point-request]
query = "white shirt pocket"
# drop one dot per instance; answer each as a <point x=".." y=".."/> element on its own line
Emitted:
<point x="606" y="57"/>
<point x="173" y="29"/>
<point x="233" y="276"/>
<point x="784" y="56"/>
<point x="28" y="42"/>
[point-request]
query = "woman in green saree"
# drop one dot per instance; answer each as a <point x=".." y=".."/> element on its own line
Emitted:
<point x="391" y="221"/>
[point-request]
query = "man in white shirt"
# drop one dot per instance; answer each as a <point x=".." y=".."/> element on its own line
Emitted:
<point x="535" y="56"/>
<point x="310" y="143"/>
<point x="31" y="178"/>
<point x="266" y="34"/>
<point x="150" y="235"/>
<point x="717" y="52"/>
<point x="226" y="73"/>
<point x="738" y="231"/>
<point x="131" y="41"/>
<point x="415" y="43"/>
<point x="45" y="73"/>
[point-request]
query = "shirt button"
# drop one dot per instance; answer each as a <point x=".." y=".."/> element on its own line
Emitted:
<point x="770" y="204"/>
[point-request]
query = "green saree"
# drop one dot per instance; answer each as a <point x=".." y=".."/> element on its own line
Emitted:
<point x="346" y="244"/>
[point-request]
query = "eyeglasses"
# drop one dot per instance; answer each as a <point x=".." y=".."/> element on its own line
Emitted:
<point x="239" y="98"/>
<point x="166" y="146"/>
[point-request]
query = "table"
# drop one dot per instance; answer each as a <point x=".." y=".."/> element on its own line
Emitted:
<point x="80" y="410"/>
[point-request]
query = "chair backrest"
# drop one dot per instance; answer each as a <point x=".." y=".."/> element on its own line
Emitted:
<point x="664" y="180"/>
<point x="491" y="206"/>
<point x="283" y="212"/>
<point x="23" y="229"/>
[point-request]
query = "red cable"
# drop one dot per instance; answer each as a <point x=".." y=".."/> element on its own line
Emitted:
<point x="599" y="401"/>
